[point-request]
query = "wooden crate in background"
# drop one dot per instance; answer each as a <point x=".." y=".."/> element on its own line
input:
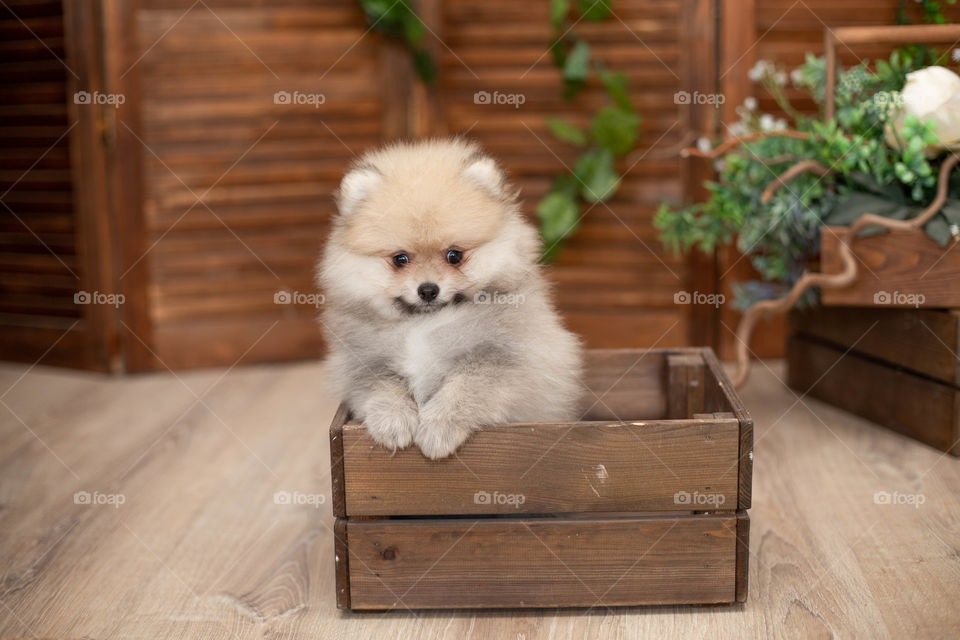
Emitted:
<point x="643" y="502"/>
<point x="896" y="367"/>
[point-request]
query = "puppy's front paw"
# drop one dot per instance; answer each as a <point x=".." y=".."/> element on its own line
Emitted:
<point x="441" y="432"/>
<point x="390" y="421"/>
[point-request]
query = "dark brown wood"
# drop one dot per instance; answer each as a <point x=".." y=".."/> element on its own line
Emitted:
<point x="743" y="555"/>
<point x="924" y="341"/>
<point x="341" y="563"/>
<point x="699" y="63"/>
<point x="95" y="223"/>
<point x="624" y="384"/>
<point x="337" y="497"/>
<point x="686" y="382"/>
<point x="916" y="406"/>
<point x="721" y="396"/>
<point x="897" y="267"/>
<point x="550" y="468"/>
<point x="542" y="562"/>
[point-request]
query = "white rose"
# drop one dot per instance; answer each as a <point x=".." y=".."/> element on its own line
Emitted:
<point x="932" y="95"/>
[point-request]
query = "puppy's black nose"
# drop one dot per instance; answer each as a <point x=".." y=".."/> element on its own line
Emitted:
<point x="428" y="291"/>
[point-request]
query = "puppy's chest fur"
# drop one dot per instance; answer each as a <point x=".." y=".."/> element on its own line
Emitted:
<point x="427" y="349"/>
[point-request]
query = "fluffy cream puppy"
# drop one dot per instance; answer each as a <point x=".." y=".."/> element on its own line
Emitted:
<point x="437" y="317"/>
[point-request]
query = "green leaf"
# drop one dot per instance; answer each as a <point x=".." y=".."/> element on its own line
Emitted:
<point x="423" y="63"/>
<point x="566" y="183"/>
<point x="558" y="11"/>
<point x="939" y="230"/>
<point x="567" y="132"/>
<point x="598" y="178"/>
<point x="559" y="215"/>
<point x="595" y="10"/>
<point x="615" y="129"/>
<point x="616" y="86"/>
<point x="577" y="66"/>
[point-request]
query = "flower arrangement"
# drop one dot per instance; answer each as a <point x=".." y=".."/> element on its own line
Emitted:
<point x="779" y="184"/>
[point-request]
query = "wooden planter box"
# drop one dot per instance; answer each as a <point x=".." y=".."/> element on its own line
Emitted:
<point x="896" y="367"/>
<point x="642" y="502"/>
<point x="897" y="269"/>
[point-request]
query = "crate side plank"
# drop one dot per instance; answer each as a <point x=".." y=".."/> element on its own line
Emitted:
<point x="686" y="379"/>
<point x="341" y="565"/>
<point x="720" y="396"/>
<point x="551" y="468"/>
<point x="917" y="407"/>
<point x="743" y="555"/>
<point x="542" y="562"/>
<point x="336" y="461"/>
<point x="922" y="340"/>
<point x="624" y="384"/>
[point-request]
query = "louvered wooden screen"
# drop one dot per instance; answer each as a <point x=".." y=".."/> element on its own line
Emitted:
<point x="615" y="282"/>
<point x="237" y="183"/>
<point x="201" y="197"/>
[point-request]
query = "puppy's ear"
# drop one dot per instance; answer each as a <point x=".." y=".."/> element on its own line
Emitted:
<point x="356" y="187"/>
<point x="484" y="171"/>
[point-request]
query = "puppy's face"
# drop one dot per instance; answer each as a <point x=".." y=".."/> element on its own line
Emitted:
<point x="426" y="227"/>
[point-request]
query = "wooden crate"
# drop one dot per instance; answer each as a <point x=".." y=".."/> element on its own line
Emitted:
<point x="897" y="269"/>
<point x="642" y="502"/>
<point x="896" y="367"/>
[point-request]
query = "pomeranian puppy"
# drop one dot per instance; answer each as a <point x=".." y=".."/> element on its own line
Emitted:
<point x="437" y="317"/>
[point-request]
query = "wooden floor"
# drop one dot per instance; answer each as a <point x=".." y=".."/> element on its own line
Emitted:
<point x="199" y="548"/>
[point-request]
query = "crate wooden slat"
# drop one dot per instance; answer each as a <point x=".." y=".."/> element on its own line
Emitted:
<point x="896" y="367"/>
<point x="646" y="497"/>
<point x="899" y="262"/>
<point x="542" y="562"/>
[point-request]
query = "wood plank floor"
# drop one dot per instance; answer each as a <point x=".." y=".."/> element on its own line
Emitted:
<point x="199" y="548"/>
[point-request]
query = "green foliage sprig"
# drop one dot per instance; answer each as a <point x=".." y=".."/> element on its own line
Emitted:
<point x="395" y="18"/>
<point x="612" y="133"/>
<point x="868" y="174"/>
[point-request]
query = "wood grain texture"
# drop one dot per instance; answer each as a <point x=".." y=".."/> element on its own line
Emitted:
<point x="925" y="341"/>
<point x="896" y="269"/>
<point x="633" y="464"/>
<point x="201" y="550"/>
<point x="548" y="468"/>
<point x="537" y="562"/>
<point x="918" y="407"/>
<point x="720" y="396"/>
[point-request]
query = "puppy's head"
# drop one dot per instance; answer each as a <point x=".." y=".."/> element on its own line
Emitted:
<point x="424" y="226"/>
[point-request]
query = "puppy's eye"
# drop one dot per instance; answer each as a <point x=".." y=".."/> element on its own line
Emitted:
<point x="454" y="256"/>
<point x="400" y="260"/>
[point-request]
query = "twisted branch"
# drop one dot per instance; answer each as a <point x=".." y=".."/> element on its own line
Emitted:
<point x="736" y="142"/>
<point x="831" y="281"/>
